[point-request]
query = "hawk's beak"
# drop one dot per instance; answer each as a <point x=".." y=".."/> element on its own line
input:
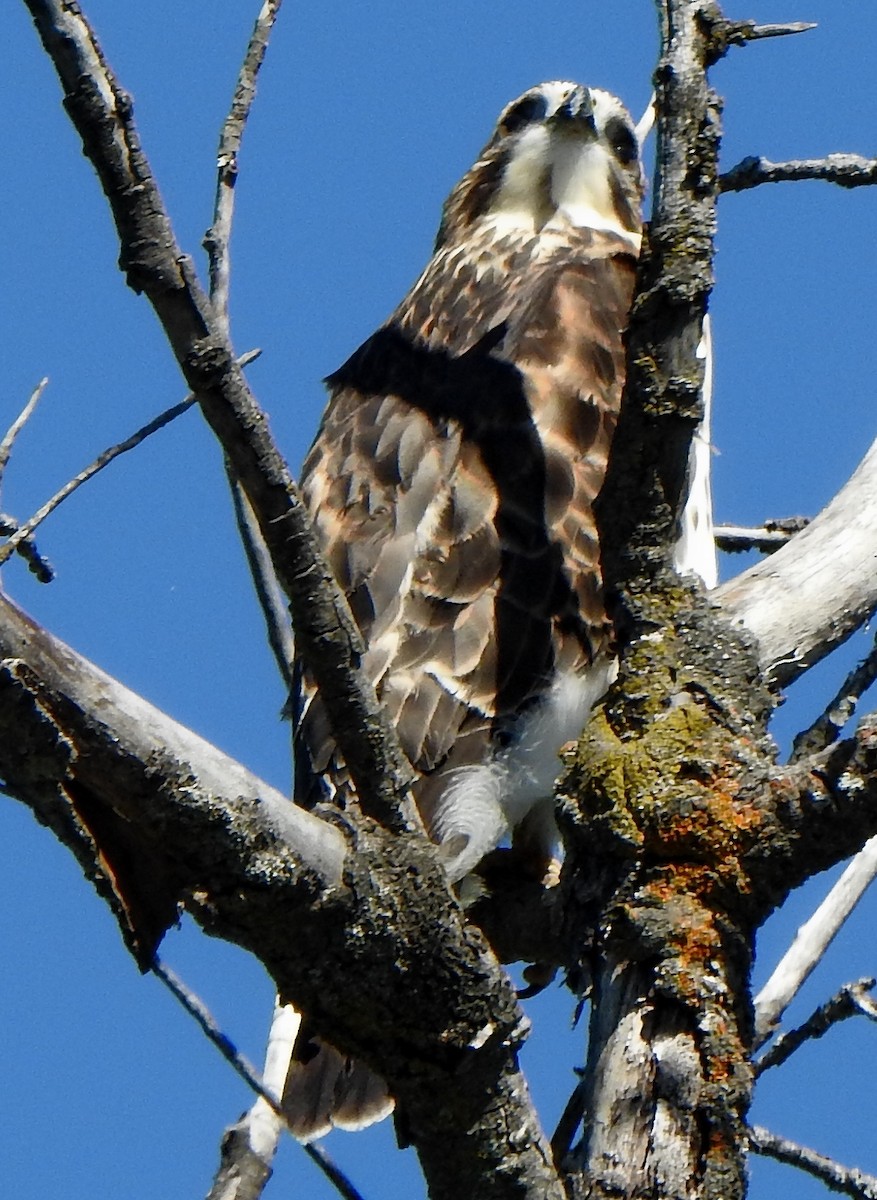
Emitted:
<point x="577" y="109"/>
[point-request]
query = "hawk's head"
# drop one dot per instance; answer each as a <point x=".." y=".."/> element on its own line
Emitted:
<point x="560" y="154"/>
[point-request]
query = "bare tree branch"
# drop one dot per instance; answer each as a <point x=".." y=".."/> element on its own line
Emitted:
<point x="851" y="1001"/>
<point x="197" y="1009"/>
<point x="218" y="238"/>
<point x="242" y="1174"/>
<point x="327" y="635"/>
<point x="332" y="1172"/>
<point x="26" y="547"/>
<point x="103" y="460"/>
<point x="766" y="538"/>
<point x="839" y="1178"/>
<point x="256" y="1135"/>
<point x="24" y="530"/>
<point x="18" y="424"/>
<point x="268" y="593"/>
<point x="134" y="749"/>
<point x="156" y="816"/>
<point x="570" y="1120"/>
<point x="846" y="170"/>
<point x="829" y="726"/>
<point x="805" y="600"/>
<point x="217" y="242"/>
<point x="249" y="1146"/>
<point x="813" y="939"/>
<point x="738" y="33"/>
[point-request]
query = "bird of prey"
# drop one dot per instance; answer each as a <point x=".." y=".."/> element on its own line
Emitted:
<point x="452" y="484"/>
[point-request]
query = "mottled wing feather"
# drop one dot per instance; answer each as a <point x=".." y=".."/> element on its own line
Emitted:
<point x="572" y="358"/>
<point x="452" y="483"/>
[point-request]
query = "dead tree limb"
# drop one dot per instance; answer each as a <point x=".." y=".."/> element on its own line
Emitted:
<point x="805" y="600"/>
<point x="813" y="939"/>
<point x="155" y="265"/>
<point x="852" y="1000"/>
<point x="833" y="1174"/>
<point x="122" y="784"/>
<point x="846" y="170"/>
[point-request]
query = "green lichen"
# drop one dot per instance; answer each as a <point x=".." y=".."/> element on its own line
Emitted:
<point x="660" y="774"/>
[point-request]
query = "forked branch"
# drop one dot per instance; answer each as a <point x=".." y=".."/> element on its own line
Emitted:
<point x="155" y="264"/>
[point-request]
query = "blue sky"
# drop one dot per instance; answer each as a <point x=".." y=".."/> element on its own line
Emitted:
<point x="366" y="116"/>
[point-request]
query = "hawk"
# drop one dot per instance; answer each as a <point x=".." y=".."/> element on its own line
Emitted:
<point x="452" y="483"/>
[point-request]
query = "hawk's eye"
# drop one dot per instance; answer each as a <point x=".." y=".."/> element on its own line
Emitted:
<point x="622" y="139"/>
<point x="530" y="108"/>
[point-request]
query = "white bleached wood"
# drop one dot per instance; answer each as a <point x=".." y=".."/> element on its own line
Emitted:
<point x="637" y="1082"/>
<point x="813" y="939"/>
<point x="819" y="588"/>
<point x="148" y="734"/>
<point x="263" y="1122"/>
<point x="696" y="548"/>
<point x="646" y="123"/>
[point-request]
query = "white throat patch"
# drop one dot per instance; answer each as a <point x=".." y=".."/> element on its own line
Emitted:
<point x="580" y="188"/>
<point x="554" y="178"/>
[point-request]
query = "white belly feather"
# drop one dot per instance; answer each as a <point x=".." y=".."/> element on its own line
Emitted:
<point x="480" y="805"/>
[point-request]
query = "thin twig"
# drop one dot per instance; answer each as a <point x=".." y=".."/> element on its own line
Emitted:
<point x="104" y="459"/>
<point x="19" y="423"/>
<point x="218" y="237"/>
<point x="812" y="940"/>
<point x="217" y="243"/>
<point x="26" y="546"/>
<point x="735" y="539"/>
<point x="258" y="1132"/>
<point x="739" y="33"/>
<point x="846" y="170"/>
<point x="570" y="1119"/>
<point x="835" y="1176"/>
<point x="332" y="1172"/>
<point x="827" y="728"/>
<point x="270" y="597"/>
<point x="99" y="463"/>
<point x="196" y="1008"/>
<point x="851" y="1001"/>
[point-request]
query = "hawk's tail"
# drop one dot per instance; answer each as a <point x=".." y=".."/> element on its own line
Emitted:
<point x="326" y="1089"/>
